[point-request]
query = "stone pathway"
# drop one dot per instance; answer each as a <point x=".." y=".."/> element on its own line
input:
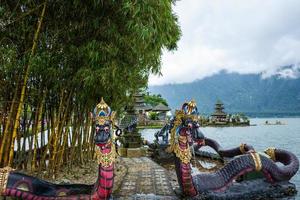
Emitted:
<point x="145" y="179"/>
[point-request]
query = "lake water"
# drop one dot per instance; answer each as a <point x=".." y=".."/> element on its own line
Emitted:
<point x="260" y="137"/>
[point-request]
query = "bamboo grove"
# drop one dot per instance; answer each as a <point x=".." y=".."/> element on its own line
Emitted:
<point x="58" y="58"/>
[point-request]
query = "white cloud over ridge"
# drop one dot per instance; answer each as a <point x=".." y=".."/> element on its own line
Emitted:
<point x="290" y="72"/>
<point x="233" y="35"/>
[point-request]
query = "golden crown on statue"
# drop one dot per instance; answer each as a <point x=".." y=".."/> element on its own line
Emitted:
<point x="103" y="113"/>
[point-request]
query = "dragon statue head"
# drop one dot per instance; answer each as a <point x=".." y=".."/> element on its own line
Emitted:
<point x="104" y="120"/>
<point x="190" y="125"/>
<point x="185" y="131"/>
<point x="104" y="137"/>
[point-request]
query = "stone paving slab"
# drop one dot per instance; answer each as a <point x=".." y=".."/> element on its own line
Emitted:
<point x="145" y="180"/>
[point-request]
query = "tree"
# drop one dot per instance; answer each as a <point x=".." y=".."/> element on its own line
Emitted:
<point x="154" y="99"/>
<point x="85" y="50"/>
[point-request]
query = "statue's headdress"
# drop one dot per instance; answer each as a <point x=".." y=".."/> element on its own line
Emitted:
<point x="188" y="110"/>
<point x="102" y="113"/>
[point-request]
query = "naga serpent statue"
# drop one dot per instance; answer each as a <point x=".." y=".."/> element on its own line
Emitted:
<point x="185" y="133"/>
<point x="15" y="184"/>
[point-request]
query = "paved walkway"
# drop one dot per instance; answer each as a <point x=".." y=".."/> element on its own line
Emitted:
<point x="145" y="179"/>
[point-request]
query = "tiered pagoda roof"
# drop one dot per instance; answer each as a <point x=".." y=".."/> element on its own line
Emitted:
<point x="139" y="103"/>
<point x="219" y="110"/>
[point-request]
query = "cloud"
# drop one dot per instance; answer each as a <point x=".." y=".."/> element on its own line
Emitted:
<point x="288" y="72"/>
<point x="233" y="35"/>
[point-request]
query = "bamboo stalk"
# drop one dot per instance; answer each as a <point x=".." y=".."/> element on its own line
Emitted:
<point x="51" y="137"/>
<point x="89" y="135"/>
<point x="26" y="137"/>
<point x="40" y="111"/>
<point x="75" y="133"/>
<point x="47" y="128"/>
<point x="42" y="134"/>
<point x="51" y="134"/>
<point x="5" y="144"/>
<point x="56" y="122"/>
<point x="33" y="49"/>
<point x="62" y="122"/>
<point x="64" y="147"/>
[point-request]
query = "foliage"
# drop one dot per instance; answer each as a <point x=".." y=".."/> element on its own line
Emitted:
<point x="155" y="99"/>
<point x="153" y="115"/>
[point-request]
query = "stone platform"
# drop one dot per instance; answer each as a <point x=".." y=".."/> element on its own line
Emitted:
<point x="145" y="179"/>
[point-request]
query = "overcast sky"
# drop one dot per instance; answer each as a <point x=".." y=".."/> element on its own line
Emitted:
<point x="250" y="36"/>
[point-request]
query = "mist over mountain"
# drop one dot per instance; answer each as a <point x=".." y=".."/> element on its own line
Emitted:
<point x="253" y="94"/>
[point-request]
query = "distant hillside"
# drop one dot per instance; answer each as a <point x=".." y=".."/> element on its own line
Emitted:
<point x="240" y="93"/>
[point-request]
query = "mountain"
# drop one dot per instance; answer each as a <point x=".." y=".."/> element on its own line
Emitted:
<point x="250" y="93"/>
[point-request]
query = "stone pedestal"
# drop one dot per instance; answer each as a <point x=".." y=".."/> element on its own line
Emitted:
<point x="131" y="140"/>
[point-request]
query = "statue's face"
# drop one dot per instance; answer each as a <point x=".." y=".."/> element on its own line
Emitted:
<point x="193" y="129"/>
<point x="102" y="133"/>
